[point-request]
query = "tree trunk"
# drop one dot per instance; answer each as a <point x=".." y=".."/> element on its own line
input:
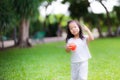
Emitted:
<point x="15" y="36"/>
<point x="2" y="42"/>
<point x="108" y="20"/>
<point x="99" y="31"/>
<point x="24" y="33"/>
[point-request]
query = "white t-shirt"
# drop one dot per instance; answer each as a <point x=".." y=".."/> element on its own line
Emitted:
<point x="81" y="53"/>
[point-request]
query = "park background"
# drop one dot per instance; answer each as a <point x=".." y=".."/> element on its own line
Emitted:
<point x="32" y="38"/>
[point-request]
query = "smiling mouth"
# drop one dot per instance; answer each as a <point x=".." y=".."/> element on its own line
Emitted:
<point x="74" y="31"/>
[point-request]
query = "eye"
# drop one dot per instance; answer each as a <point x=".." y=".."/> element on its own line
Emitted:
<point x="75" y="26"/>
<point x="71" y="27"/>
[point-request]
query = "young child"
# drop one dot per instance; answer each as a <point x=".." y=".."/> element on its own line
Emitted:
<point x="77" y="44"/>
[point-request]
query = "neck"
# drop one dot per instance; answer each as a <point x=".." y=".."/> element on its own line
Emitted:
<point x="76" y="36"/>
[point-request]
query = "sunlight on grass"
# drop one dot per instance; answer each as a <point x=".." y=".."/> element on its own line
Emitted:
<point x="49" y="61"/>
<point x="104" y="64"/>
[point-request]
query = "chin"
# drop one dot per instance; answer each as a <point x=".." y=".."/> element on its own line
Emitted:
<point x="76" y="34"/>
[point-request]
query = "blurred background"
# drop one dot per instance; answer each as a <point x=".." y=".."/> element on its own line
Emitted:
<point x="26" y="20"/>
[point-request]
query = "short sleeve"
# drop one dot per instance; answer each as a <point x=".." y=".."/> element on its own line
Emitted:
<point x="85" y="38"/>
<point x="69" y="40"/>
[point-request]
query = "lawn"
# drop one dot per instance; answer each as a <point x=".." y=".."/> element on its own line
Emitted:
<point x="49" y="61"/>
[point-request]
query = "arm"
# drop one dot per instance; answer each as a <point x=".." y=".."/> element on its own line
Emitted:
<point x="67" y="49"/>
<point x="90" y="36"/>
<point x="70" y="46"/>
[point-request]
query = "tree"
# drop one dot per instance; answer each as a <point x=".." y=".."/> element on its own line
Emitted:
<point x="108" y="17"/>
<point x="7" y="19"/>
<point x="95" y="20"/>
<point x="78" y="8"/>
<point x="116" y="9"/>
<point x="25" y="11"/>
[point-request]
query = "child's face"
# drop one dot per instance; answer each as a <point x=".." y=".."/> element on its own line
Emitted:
<point x="74" y="29"/>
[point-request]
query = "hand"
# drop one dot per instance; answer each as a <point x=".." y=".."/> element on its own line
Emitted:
<point x="85" y="28"/>
<point x="71" y="46"/>
<point x="90" y="36"/>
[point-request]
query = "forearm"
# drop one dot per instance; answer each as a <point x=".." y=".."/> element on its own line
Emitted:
<point x="67" y="50"/>
<point x="90" y="35"/>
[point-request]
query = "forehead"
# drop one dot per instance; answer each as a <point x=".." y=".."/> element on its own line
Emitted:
<point x="72" y="23"/>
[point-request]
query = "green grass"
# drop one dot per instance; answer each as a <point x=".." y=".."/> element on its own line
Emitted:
<point x="50" y="62"/>
<point x="105" y="63"/>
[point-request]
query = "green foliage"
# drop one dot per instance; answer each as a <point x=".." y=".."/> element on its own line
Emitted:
<point x="7" y="17"/>
<point x="59" y="18"/>
<point x="26" y="8"/>
<point x="91" y="18"/>
<point x="64" y="21"/>
<point x="95" y="19"/>
<point x="78" y="8"/>
<point x="36" y="26"/>
<point x="11" y="11"/>
<point x="52" y="23"/>
<point x="117" y="10"/>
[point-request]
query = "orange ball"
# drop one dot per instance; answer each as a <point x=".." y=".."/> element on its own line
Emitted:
<point x="72" y="46"/>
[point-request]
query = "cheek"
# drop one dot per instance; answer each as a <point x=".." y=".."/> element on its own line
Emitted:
<point x="78" y="29"/>
<point x="71" y="31"/>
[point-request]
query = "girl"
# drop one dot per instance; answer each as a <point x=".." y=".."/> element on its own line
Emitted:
<point x="77" y="44"/>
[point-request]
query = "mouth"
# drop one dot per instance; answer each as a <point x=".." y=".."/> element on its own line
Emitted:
<point x="74" y="31"/>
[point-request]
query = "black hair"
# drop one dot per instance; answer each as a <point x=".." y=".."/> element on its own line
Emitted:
<point x="69" y="34"/>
